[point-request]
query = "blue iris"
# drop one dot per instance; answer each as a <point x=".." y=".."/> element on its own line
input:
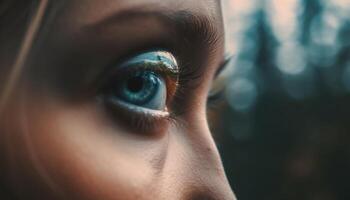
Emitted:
<point x="142" y="83"/>
<point x="145" y="89"/>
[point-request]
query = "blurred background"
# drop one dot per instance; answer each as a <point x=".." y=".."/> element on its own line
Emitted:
<point x="284" y="127"/>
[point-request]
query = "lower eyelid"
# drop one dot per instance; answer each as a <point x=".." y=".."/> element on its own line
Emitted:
<point x="141" y="110"/>
<point x="138" y="120"/>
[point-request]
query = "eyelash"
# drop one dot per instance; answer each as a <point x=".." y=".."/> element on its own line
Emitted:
<point x="189" y="79"/>
<point x="216" y="99"/>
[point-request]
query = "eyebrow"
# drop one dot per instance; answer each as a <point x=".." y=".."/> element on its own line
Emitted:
<point x="194" y="29"/>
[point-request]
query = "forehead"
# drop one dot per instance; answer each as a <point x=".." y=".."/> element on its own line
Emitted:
<point x="93" y="10"/>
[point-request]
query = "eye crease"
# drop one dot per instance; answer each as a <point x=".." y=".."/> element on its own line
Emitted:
<point x="144" y="84"/>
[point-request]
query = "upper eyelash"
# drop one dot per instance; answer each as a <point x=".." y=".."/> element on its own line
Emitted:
<point x="108" y="78"/>
<point x="224" y="64"/>
<point x="188" y="81"/>
<point x="155" y="68"/>
<point x="220" y="70"/>
<point x="190" y="78"/>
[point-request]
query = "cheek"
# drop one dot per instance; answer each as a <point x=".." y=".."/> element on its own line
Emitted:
<point x="76" y="152"/>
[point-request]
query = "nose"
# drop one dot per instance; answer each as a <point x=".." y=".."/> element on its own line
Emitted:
<point x="208" y="168"/>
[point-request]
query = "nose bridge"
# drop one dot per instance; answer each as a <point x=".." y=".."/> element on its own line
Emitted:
<point x="204" y="147"/>
<point x="208" y="166"/>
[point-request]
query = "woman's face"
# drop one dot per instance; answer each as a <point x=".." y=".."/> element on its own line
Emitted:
<point x="113" y="104"/>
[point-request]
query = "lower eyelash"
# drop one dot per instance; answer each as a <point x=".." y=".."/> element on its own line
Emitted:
<point x="137" y="119"/>
<point x="216" y="99"/>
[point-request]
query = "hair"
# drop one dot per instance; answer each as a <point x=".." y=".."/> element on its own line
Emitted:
<point x="20" y="23"/>
<point x="25" y="46"/>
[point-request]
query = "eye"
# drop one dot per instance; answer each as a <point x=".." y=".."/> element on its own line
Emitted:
<point x="145" y="89"/>
<point x="220" y="81"/>
<point x="144" y="84"/>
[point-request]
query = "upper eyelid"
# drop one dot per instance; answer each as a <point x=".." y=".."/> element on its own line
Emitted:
<point x="127" y="66"/>
<point x="154" y="57"/>
<point x="117" y="65"/>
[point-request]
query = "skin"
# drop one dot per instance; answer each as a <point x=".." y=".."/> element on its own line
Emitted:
<point x="57" y="141"/>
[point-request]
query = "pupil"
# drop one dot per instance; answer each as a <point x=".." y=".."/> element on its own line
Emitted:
<point x="135" y="84"/>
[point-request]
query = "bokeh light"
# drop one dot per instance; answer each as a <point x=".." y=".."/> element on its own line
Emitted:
<point x="284" y="133"/>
